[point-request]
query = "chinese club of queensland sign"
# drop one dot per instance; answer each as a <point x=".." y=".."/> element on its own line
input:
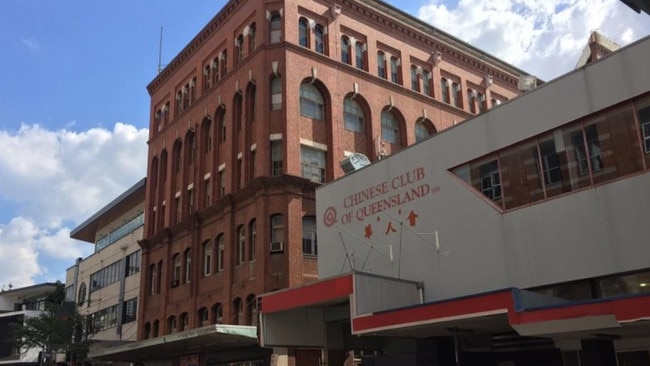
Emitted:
<point x="368" y="203"/>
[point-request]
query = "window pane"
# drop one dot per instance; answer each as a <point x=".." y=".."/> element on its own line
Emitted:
<point x="352" y="115"/>
<point x="520" y="175"/>
<point x="613" y="148"/>
<point x="389" y="128"/>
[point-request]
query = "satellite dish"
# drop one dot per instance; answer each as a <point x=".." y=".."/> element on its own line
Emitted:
<point x="354" y="161"/>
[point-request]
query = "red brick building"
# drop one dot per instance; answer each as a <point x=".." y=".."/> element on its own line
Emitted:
<point x="254" y="113"/>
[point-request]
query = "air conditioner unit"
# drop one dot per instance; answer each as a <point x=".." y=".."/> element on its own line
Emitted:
<point x="276" y="247"/>
<point x="174" y="283"/>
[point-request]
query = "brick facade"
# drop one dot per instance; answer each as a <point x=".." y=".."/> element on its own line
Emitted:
<point x="216" y="111"/>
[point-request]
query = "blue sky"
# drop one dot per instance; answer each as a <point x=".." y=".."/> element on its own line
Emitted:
<point x="74" y="107"/>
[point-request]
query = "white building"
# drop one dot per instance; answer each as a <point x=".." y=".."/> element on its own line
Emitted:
<point x="518" y="237"/>
<point x="15" y="306"/>
<point x="105" y="285"/>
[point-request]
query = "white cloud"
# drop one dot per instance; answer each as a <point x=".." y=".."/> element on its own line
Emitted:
<point x="544" y="38"/>
<point x="31" y="43"/>
<point x="55" y="179"/>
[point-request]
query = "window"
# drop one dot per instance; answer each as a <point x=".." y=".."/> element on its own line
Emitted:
<point x="381" y="65"/>
<point x="276" y="158"/>
<point x="345" y="50"/>
<point x="224" y="63"/>
<point x="313" y="164"/>
<point x="105" y="276"/>
<point x="426" y="83"/>
<point x="185" y="321"/>
<point x="644" y="120"/>
<point x="595" y="159"/>
<point x="309" y="245"/>
<point x="130" y="310"/>
<point x="444" y="90"/>
<point x="394" y="70"/>
<point x="207" y="258"/>
<point x="251" y="95"/>
<point x="251" y="38"/>
<point x="152" y="279"/>
<point x="415" y="82"/>
<point x="171" y="325"/>
<point x="132" y="265"/>
<point x="319" y="37"/>
<point x="188" y="265"/>
<point x="311" y="101"/>
<point x="275" y="27"/>
<point x="239" y="46"/>
<point x="423" y="129"/>
<point x="206" y="135"/>
<point x="221" y="123"/>
<point x="277" y="228"/>
<point x="241" y="245"/>
<point x="276" y="93"/>
<point x="252" y="309"/>
<point x="490" y="181"/>
<point x="237" y="111"/>
<point x="217" y="313"/>
<point x="203" y="317"/>
<point x="303" y="32"/>
<point x="252" y="239"/>
<point x="389" y="128"/>
<point x="352" y="115"/>
<point x="222" y="183"/>
<point x="156" y="328"/>
<point x="215" y="70"/>
<point x="359" y="60"/>
<point x="238" y="310"/>
<point x="190" y="201"/>
<point x="178" y="157"/>
<point x="455" y="95"/>
<point x="207" y="190"/>
<point x="471" y="100"/>
<point x="176" y="270"/>
<point x="550" y="163"/>
<point x="221" y="248"/>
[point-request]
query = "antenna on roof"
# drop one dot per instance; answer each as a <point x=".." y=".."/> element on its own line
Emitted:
<point x="160" y="65"/>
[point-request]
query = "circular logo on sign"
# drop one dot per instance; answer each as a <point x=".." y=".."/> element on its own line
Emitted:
<point x="330" y="216"/>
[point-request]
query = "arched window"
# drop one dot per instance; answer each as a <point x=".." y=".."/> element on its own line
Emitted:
<point x="251" y="91"/>
<point x="345" y="50"/>
<point x="319" y="38"/>
<point x="155" y="329"/>
<point x="203" y="316"/>
<point x="221" y="123"/>
<point x="188" y="265"/>
<point x="178" y="156"/>
<point x="303" y="32"/>
<point x="207" y="258"/>
<point x="238" y="311"/>
<point x="309" y="244"/>
<point x="359" y="49"/>
<point x="172" y="325"/>
<point x="206" y="135"/>
<point x="217" y="313"/>
<point x="311" y="101"/>
<point x="221" y="248"/>
<point x="252" y="239"/>
<point x="251" y="38"/>
<point x="241" y="245"/>
<point x="275" y="27"/>
<point x="389" y="128"/>
<point x="423" y="129"/>
<point x="276" y="93"/>
<point x="224" y="63"/>
<point x="190" y="147"/>
<point x="147" y="330"/>
<point x="381" y="65"/>
<point x="185" y="321"/>
<point x="352" y="115"/>
<point x="251" y="309"/>
<point x="237" y="111"/>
